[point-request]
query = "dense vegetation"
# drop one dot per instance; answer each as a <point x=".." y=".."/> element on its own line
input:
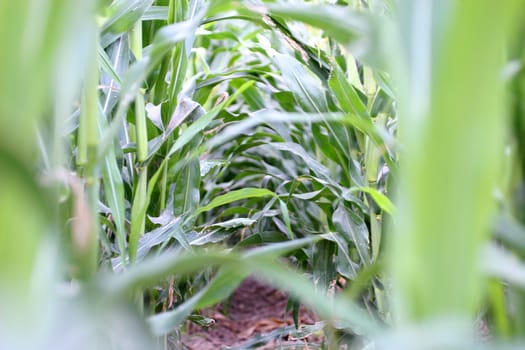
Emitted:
<point x="153" y="154"/>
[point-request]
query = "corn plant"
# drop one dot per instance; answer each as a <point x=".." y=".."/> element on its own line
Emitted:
<point x="168" y="149"/>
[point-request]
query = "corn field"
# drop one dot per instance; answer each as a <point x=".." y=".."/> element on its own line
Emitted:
<point x="364" y="157"/>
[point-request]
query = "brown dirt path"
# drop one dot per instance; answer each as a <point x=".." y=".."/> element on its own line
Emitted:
<point x="256" y="310"/>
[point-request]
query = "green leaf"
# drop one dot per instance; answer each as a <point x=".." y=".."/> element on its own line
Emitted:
<point x="236" y="195"/>
<point x="165" y="39"/>
<point x="286" y="217"/>
<point x="346" y="95"/>
<point x="156" y="13"/>
<point x="324" y="271"/>
<point x="187" y="188"/>
<point x="510" y="231"/>
<point x="270" y="117"/>
<point x="313" y="164"/>
<point x="306" y="86"/>
<point x="194" y="129"/>
<point x="340" y="22"/>
<point x="353" y="229"/>
<point x="204" y="120"/>
<point x="138" y="215"/>
<point x="114" y="194"/>
<point x="381" y="200"/>
<point x="345" y="265"/>
<point x="107" y="66"/>
<point x="233" y="223"/>
<point x="275" y="250"/>
<point x="165" y="322"/>
<point x="222" y="286"/>
<point x="123" y="14"/>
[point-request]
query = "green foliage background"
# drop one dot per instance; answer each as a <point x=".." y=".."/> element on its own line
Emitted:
<point x="182" y="145"/>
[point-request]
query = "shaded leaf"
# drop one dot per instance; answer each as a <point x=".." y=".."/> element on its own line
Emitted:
<point x="306" y="87"/>
<point x="353" y="229"/>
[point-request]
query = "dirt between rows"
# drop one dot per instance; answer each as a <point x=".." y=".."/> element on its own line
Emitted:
<point x="251" y="319"/>
<point x="255" y="317"/>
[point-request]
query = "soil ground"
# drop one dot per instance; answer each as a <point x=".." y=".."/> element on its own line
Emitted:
<point x="254" y="318"/>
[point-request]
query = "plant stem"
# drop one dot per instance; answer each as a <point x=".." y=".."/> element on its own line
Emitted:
<point x="138" y="210"/>
<point x="85" y="239"/>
